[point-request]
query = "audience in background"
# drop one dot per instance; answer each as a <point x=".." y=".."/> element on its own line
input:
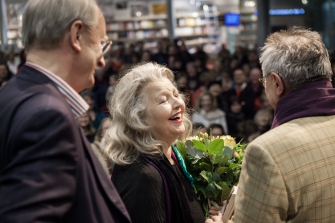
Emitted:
<point x="243" y="92"/>
<point x="216" y="130"/>
<point x="96" y="115"/>
<point x="208" y="113"/>
<point x="86" y="124"/>
<point x="198" y="128"/>
<point x="12" y="64"/>
<point x="231" y="79"/>
<point x="263" y="120"/>
<point x="111" y="88"/>
<point x="235" y="116"/>
<point x="5" y="73"/>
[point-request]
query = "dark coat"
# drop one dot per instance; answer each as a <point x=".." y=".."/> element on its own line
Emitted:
<point x="48" y="172"/>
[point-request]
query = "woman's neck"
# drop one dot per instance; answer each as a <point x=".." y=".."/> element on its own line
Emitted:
<point x="167" y="152"/>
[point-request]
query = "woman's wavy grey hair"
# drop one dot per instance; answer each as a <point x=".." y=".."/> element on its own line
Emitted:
<point x="130" y="134"/>
<point x="298" y="55"/>
<point x="45" y="23"/>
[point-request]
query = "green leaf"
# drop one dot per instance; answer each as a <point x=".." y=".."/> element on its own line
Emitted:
<point x="225" y="190"/>
<point x="234" y="165"/>
<point x="224" y="161"/>
<point x="215" y="146"/>
<point x="206" y="209"/>
<point x="216" y="177"/>
<point x="239" y="146"/>
<point x="228" y="151"/>
<point x="206" y="175"/>
<point x="217" y="186"/>
<point x="199" y="145"/>
<point x="205" y="166"/>
<point x="217" y="158"/>
<point x="212" y="191"/>
<point x="222" y="170"/>
<point x="189" y="144"/>
<point x="190" y="150"/>
<point x="213" y="203"/>
<point x="202" y="190"/>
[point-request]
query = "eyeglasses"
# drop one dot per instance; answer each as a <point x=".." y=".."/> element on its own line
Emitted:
<point x="106" y="46"/>
<point x="262" y="80"/>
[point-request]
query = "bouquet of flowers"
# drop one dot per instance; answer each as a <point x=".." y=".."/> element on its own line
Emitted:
<point x="215" y="164"/>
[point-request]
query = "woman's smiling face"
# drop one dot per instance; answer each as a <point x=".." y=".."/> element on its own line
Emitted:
<point x="165" y="110"/>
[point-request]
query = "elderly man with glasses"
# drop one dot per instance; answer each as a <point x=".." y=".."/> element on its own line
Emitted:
<point x="288" y="174"/>
<point x="48" y="172"/>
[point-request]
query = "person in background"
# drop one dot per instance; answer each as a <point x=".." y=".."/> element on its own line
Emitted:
<point x="12" y="64"/>
<point x="216" y="130"/>
<point x="181" y="81"/>
<point x="160" y="56"/>
<point x="215" y="89"/>
<point x="86" y="125"/>
<point x="98" y="147"/>
<point x="253" y="59"/>
<point x="146" y="56"/>
<point x="240" y="55"/>
<point x="100" y="87"/>
<point x="243" y="92"/>
<point x="263" y="120"/>
<point x="192" y="77"/>
<point x="48" y="171"/>
<point x="96" y="115"/>
<point x="184" y="54"/>
<point x="235" y="116"/>
<point x="116" y="60"/>
<point x="256" y="86"/>
<point x="111" y="88"/>
<point x="198" y="128"/>
<point x="5" y="73"/>
<point x="287" y="173"/>
<point x="149" y="173"/>
<point x="208" y="113"/>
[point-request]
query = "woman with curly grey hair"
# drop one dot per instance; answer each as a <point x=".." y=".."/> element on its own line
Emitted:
<point x="149" y="174"/>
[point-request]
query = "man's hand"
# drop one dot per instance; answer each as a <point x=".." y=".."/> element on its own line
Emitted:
<point x="215" y="219"/>
<point x="214" y="211"/>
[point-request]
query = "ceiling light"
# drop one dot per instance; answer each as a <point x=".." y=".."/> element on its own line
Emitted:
<point x="249" y="3"/>
<point x="138" y="14"/>
<point x="305" y="2"/>
<point x="195" y="14"/>
<point x="205" y="7"/>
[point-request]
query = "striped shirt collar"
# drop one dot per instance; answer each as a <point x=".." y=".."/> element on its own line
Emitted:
<point x="76" y="102"/>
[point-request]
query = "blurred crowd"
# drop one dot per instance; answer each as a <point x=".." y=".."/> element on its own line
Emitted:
<point x="223" y="92"/>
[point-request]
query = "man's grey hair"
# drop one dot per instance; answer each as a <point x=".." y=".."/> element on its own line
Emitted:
<point x="298" y="55"/>
<point x="45" y="22"/>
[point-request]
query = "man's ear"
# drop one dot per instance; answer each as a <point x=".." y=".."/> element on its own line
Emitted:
<point x="280" y="86"/>
<point x="76" y="30"/>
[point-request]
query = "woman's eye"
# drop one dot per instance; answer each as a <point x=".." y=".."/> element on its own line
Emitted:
<point x="162" y="101"/>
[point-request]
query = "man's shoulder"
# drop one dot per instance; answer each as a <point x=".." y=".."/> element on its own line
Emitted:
<point x="22" y="104"/>
<point x="22" y="92"/>
<point x="296" y="132"/>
